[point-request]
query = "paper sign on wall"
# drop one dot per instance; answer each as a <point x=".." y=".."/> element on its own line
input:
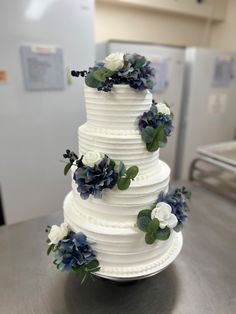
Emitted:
<point x="217" y="103"/>
<point x="3" y="76"/>
<point x="223" y="71"/>
<point x="42" y="67"/>
<point x="161" y="67"/>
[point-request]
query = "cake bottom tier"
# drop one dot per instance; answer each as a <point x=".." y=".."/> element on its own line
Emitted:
<point x="122" y="252"/>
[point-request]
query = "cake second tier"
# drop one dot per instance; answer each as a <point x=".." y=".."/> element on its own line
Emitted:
<point x="120" y="145"/>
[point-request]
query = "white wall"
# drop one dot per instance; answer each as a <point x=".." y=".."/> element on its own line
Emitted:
<point x="36" y="127"/>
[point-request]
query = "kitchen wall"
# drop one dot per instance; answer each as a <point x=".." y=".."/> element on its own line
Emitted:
<point x="139" y="24"/>
<point x="223" y="34"/>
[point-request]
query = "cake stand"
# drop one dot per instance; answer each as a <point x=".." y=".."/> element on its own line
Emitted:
<point x="126" y="274"/>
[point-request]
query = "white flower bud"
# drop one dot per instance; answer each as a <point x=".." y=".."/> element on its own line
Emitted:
<point x="115" y="61"/>
<point x="92" y="158"/>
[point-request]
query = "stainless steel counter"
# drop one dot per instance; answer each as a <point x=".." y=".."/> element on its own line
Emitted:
<point x="201" y="280"/>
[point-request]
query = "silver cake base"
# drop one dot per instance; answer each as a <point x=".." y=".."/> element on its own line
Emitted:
<point x="159" y="265"/>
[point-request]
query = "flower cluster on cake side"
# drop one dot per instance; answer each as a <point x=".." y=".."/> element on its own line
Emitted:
<point x="94" y="172"/>
<point x="167" y="213"/>
<point x="156" y="125"/>
<point x="71" y="250"/>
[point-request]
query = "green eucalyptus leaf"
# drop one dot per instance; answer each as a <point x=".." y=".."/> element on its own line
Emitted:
<point x="94" y="270"/>
<point x="67" y="168"/>
<point x="148" y="134"/>
<point x="122" y="169"/>
<point x="132" y="172"/>
<point x="143" y="223"/>
<point x="150" y="238"/>
<point x="162" y="144"/>
<point x="84" y="278"/>
<point x="102" y="74"/>
<point x="178" y="227"/>
<point x="112" y="164"/>
<point x="163" y="234"/>
<point x="50" y="248"/>
<point x="92" y="264"/>
<point x="75" y="269"/>
<point x="91" y="81"/>
<point x="139" y="63"/>
<point x="123" y="183"/>
<point x="145" y="212"/>
<point x="153" y="225"/>
<point x="158" y="137"/>
<point x="188" y="195"/>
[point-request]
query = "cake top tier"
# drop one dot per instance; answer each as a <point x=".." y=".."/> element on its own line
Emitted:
<point x="117" y="91"/>
<point x="118" y="109"/>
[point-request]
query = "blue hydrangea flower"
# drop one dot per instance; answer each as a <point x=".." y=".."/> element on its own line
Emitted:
<point x="73" y="252"/>
<point x="177" y="201"/>
<point x="93" y="180"/>
<point x="154" y="119"/>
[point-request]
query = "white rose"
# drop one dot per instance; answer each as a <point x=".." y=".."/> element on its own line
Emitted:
<point x="57" y="233"/>
<point x="115" y="61"/>
<point x="163" y="108"/>
<point x="92" y="158"/>
<point x="163" y="213"/>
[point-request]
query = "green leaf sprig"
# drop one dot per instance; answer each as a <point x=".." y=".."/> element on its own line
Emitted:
<point x="98" y="77"/>
<point x="151" y="227"/>
<point x="126" y="176"/>
<point x="87" y="269"/>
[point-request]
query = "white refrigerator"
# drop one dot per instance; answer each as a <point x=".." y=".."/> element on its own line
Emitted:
<point x="169" y="64"/>
<point x="208" y="104"/>
<point x="40" y="106"/>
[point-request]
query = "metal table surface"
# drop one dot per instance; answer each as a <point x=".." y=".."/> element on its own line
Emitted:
<point x="201" y="280"/>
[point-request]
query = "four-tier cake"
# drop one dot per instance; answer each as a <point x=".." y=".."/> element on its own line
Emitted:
<point x="119" y="212"/>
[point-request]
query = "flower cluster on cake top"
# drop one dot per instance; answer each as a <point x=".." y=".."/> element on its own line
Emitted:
<point x="118" y="68"/>
<point x="96" y="172"/>
<point x="167" y="213"/>
<point x="72" y="252"/>
<point x="156" y="125"/>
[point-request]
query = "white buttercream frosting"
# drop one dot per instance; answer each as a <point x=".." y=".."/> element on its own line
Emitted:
<point x="118" y="109"/>
<point x="125" y="146"/>
<point x="109" y="223"/>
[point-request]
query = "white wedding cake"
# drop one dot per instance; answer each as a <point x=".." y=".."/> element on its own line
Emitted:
<point x="110" y="220"/>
